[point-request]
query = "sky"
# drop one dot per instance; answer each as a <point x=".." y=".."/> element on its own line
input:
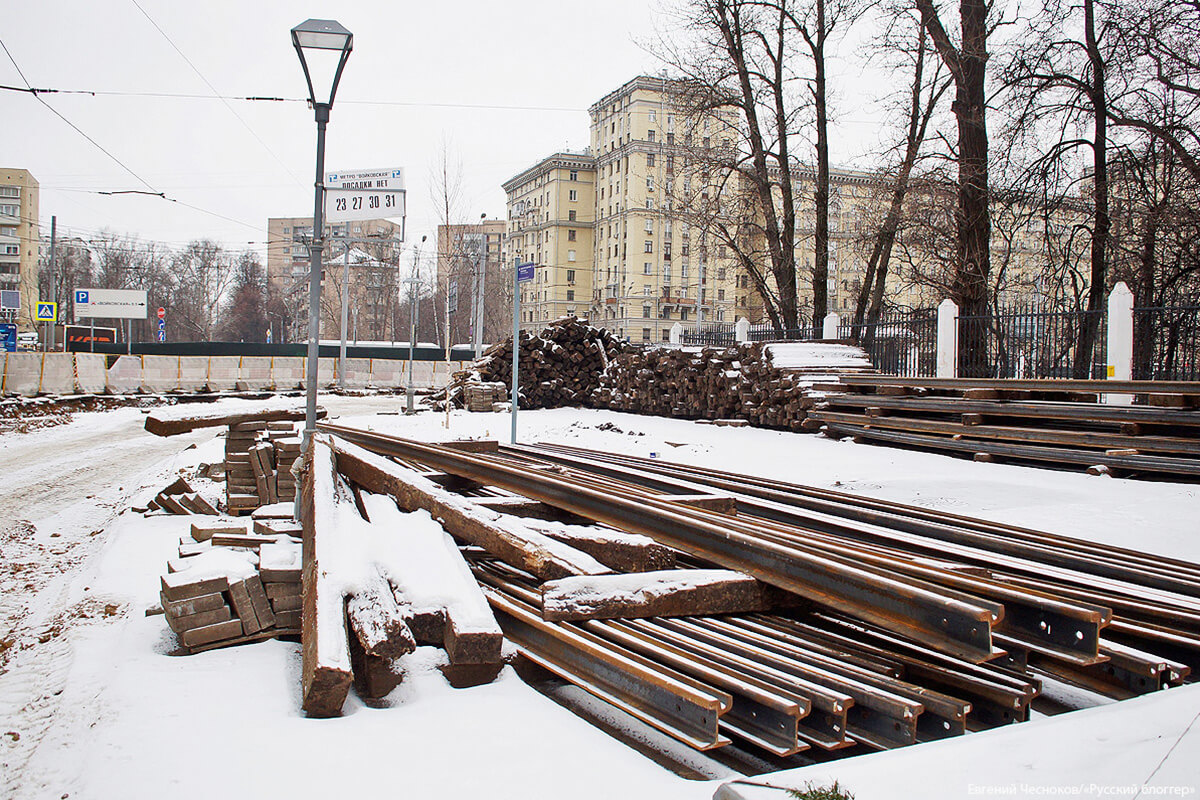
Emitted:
<point x="496" y="86"/>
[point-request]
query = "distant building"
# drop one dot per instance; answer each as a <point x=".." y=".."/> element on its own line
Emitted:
<point x="459" y="268"/>
<point x="372" y="250"/>
<point x="19" y="240"/>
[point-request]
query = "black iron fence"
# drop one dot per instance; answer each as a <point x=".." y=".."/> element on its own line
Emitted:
<point x="900" y="343"/>
<point x="710" y="336"/>
<point x="769" y="333"/>
<point x="1029" y="342"/>
<point x="1166" y="343"/>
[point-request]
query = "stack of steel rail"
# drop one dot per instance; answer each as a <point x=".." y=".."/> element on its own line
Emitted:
<point x="1062" y="422"/>
<point x="912" y="624"/>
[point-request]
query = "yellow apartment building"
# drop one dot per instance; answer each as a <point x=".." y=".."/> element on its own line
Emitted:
<point x="19" y="241"/>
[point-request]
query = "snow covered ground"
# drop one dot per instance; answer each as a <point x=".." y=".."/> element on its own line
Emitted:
<point x="93" y="706"/>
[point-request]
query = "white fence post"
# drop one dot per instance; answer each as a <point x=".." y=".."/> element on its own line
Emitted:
<point x="676" y="334"/>
<point x="947" y="339"/>
<point x="741" y="330"/>
<point x="1120" y="341"/>
<point x="829" y="327"/>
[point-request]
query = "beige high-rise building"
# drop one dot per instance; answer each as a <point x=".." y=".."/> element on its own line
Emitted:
<point x="551" y="215"/>
<point x="19" y="240"/>
<point x="371" y="247"/>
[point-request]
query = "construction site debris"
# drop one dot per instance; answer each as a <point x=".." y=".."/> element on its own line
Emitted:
<point x="186" y="418"/>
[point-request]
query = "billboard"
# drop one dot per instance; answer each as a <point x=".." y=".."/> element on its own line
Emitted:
<point x="78" y="338"/>
<point x="110" y="304"/>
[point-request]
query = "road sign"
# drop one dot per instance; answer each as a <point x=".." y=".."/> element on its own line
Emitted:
<point x="46" y="312"/>
<point x="162" y="335"/>
<point x="162" y="312"/>
<point x="10" y="300"/>
<point x="110" y="304"/>
<point x="77" y="338"/>
<point x="363" y="194"/>
<point x="8" y="337"/>
<point x="525" y="272"/>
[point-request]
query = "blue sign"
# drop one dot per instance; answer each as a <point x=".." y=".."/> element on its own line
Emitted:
<point x="81" y="296"/>
<point x="524" y="272"/>
<point x="46" y="312"/>
<point x="162" y="335"/>
<point x="8" y="335"/>
<point x="162" y="324"/>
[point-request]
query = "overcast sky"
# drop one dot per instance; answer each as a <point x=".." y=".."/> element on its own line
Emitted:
<point x="502" y="84"/>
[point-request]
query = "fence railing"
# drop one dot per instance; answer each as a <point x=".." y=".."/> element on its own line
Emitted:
<point x="1029" y="342"/>
<point x="710" y="336"/>
<point x="1166" y="343"/>
<point x="902" y="343"/>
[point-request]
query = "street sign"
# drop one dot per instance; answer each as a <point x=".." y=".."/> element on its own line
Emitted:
<point x="162" y="312"/>
<point x="364" y="194"/>
<point x="46" y="312"/>
<point x="10" y="300"/>
<point x="525" y="272"/>
<point x="8" y="337"/>
<point x="78" y="338"/>
<point x="110" y="304"/>
<point x="162" y="335"/>
<point x="162" y="323"/>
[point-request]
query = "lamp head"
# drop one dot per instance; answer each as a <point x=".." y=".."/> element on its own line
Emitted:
<point x="328" y="44"/>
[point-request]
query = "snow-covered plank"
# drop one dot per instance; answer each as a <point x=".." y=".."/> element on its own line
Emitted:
<point x="624" y="552"/>
<point x="182" y="419"/>
<point x="666" y="593"/>
<point x="508" y="538"/>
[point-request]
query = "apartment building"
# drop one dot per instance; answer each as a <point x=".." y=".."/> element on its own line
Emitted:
<point x="19" y="241"/>
<point x="469" y="265"/>
<point x="370" y="248"/>
<point x="551" y="222"/>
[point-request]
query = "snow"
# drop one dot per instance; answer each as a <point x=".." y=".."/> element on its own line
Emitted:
<point x="218" y="562"/>
<point x="233" y="405"/>
<point x="587" y="593"/>
<point x="808" y="355"/>
<point x="102" y="710"/>
<point x="280" y="555"/>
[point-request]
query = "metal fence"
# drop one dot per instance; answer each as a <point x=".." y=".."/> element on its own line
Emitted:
<point x="1166" y="343"/>
<point x="711" y="336"/>
<point x="1028" y="342"/>
<point x="769" y="333"/>
<point x="902" y="343"/>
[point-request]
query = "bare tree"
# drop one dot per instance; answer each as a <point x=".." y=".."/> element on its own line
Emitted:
<point x="203" y="273"/>
<point x="967" y="64"/>
<point x="245" y="317"/>
<point x="923" y="99"/>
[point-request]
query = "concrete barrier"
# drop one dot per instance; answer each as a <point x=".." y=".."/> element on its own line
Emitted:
<point x="58" y="374"/>
<point x="193" y="373"/>
<point x="23" y="374"/>
<point x="288" y="372"/>
<point x="387" y="373"/>
<point x="160" y="374"/>
<point x="424" y="372"/>
<point x="223" y="373"/>
<point x="326" y="373"/>
<point x="91" y="373"/>
<point x="125" y="375"/>
<point x="255" y="373"/>
<point x="358" y="373"/>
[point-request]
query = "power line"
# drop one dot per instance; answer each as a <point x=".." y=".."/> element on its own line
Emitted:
<point x="215" y="92"/>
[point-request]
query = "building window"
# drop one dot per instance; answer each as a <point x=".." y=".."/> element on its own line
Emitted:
<point x="653" y="115"/>
<point x="720" y="294"/>
<point x="570" y="276"/>
<point x="666" y="335"/>
<point x="721" y="274"/>
<point x="571" y="216"/>
<point x="645" y="334"/>
<point x="574" y="174"/>
<point x="570" y="295"/>
<point x="646" y="313"/>
<point x="650" y="160"/>
<point x="570" y="255"/>
<point x="570" y="234"/>
<point x="745" y="281"/>
<point x="649" y="247"/>
<point x="574" y="195"/>
<point x="683" y="315"/>
<point x="650" y="136"/>
<point x="646" y="268"/>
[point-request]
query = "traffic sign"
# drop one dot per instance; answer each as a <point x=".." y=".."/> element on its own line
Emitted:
<point x="46" y="312"/>
<point x="162" y="335"/>
<point x="110" y="304"/>
<point x="162" y="324"/>
<point x="10" y="300"/>
<point x="8" y="337"/>
<point x="525" y="272"/>
<point x="162" y="312"/>
<point x="364" y="194"/>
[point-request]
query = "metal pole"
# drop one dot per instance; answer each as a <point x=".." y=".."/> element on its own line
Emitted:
<point x="53" y="282"/>
<point x="481" y="264"/>
<point x="345" y="310"/>
<point x="515" y="394"/>
<point x="314" y="278"/>
<point x="448" y="345"/>
<point x="412" y="335"/>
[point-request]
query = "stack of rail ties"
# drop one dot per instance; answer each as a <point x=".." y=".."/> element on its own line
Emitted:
<point x="1145" y="427"/>
<point x="784" y="618"/>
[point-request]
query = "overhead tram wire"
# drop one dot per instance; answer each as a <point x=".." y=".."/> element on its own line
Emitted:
<point x="217" y="94"/>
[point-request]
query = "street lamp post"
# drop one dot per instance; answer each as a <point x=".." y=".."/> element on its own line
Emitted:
<point x="412" y="322"/>
<point x="312" y="37"/>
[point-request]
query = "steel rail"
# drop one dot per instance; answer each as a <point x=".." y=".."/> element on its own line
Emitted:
<point x="1037" y="409"/>
<point x="760" y="713"/>
<point x="1069" y="628"/>
<point x="1166" y="574"/>
<point x="1083" y="386"/>
<point x="668" y="701"/>
<point x="955" y="624"/>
